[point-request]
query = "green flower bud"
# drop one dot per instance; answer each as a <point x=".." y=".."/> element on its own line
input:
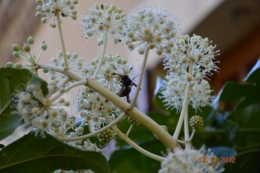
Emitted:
<point x="15" y="47"/>
<point x="196" y="122"/>
<point x="30" y="40"/>
<point x="106" y="136"/>
<point x="18" y="65"/>
<point x="26" y="47"/>
<point x="9" y="64"/>
<point x="16" y="54"/>
<point x="43" y="46"/>
<point x="132" y="121"/>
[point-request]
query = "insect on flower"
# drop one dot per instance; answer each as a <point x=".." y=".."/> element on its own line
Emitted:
<point x="126" y="84"/>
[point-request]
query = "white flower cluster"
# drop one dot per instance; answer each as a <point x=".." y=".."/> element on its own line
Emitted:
<point x="190" y="161"/>
<point x="150" y="28"/>
<point x="105" y="18"/>
<point x="190" y="61"/>
<point x="92" y="105"/>
<point x="75" y="63"/>
<point x="48" y="8"/>
<point x="41" y="112"/>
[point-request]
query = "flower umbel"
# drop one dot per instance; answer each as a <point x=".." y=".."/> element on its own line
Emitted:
<point x="150" y="28"/>
<point x="105" y="17"/>
<point x="48" y="8"/>
<point x="188" y="161"/>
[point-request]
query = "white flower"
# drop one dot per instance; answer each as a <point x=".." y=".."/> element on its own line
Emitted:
<point x="48" y="8"/>
<point x="93" y="107"/>
<point x="173" y="90"/>
<point x="195" y="50"/>
<point x="150" y="28"/>
<point x="39" y="111"/>
<point x="190" y="161"/>
<point x="105" y="18"/>
<point x="109" y="75"/>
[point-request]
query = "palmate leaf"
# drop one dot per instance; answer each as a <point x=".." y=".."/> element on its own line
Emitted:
<point x="31" y="154"/>
<point x="10" y="80"/>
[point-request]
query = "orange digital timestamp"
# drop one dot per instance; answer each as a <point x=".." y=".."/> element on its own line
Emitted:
<point x="216" y="160"/>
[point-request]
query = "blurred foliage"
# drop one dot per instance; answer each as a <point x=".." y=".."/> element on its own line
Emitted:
<point x="228" y="132"/>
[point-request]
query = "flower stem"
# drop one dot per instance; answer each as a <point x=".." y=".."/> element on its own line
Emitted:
<point x="134" y="145"/>
<point x="150" y="124"/>
<point x="117" y="120"/>
<point x="62" y="42"/>
<point x="138" y="88"/>
<point x="82" y="82"/>
<point x="129" y="130"/>
<point x="102" y="56"/>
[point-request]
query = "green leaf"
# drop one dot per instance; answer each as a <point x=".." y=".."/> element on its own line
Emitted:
<point x="31" y="154"/>
<point x="129" y="160"/>
<point x="9" y="122"/>
<point x="10" y="80"/>
<point x="231" y="129"/>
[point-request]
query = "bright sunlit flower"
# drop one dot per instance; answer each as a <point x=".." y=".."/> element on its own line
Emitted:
<point x="150" y="28"/>
<point x="188" y="161"/>
<point x="48" y="8"/>
<point x="105" y="18"/>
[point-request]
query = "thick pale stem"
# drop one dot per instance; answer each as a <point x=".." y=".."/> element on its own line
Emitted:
<point x="134" y="145"/>
<point x="62" y="42"/>
<point x="186" y="118"/>
<point x="183" y="111"/>
<point x="155" y="128"/>
<point x="138" y="88"/>
<point x="102" y="56"/>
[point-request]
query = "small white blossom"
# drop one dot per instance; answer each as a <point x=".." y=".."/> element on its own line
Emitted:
<point x="105" y="18"/>
<point x="150" y="28"/>
<point x="93" y="107"/>
<point x="48" y="8"/>
<point x="188" y="161"/>
<point x="195" y="50"/>
<point x="173" y="91"/>
<point x="39" y="111"/>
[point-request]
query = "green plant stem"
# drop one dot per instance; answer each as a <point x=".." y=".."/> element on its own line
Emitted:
<point x="117" y="120"/>
<point x="102" y="56"/>
<point x="132" y="143"/>
<point x="82" y="82"/>
<point x="62" y="42"/>
<point x="129" y="130"/>
<point x="150" y="124"/>
<point x="183" y="112"/>
<point x="138" y="88"/>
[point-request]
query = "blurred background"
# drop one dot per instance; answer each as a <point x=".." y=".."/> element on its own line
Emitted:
<point x="234" y="26"/>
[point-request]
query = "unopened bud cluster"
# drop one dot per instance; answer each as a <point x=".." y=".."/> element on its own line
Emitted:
<point x="106" y="136"/>
<point x="196" y="122"/>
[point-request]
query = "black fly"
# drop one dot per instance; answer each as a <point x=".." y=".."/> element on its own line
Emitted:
<point x="126" y="84"/>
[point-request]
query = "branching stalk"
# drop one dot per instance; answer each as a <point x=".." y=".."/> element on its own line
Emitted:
<point x="138" y="88"/>
<point x="102" y="55"/>
<point x="62" y="42"/>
